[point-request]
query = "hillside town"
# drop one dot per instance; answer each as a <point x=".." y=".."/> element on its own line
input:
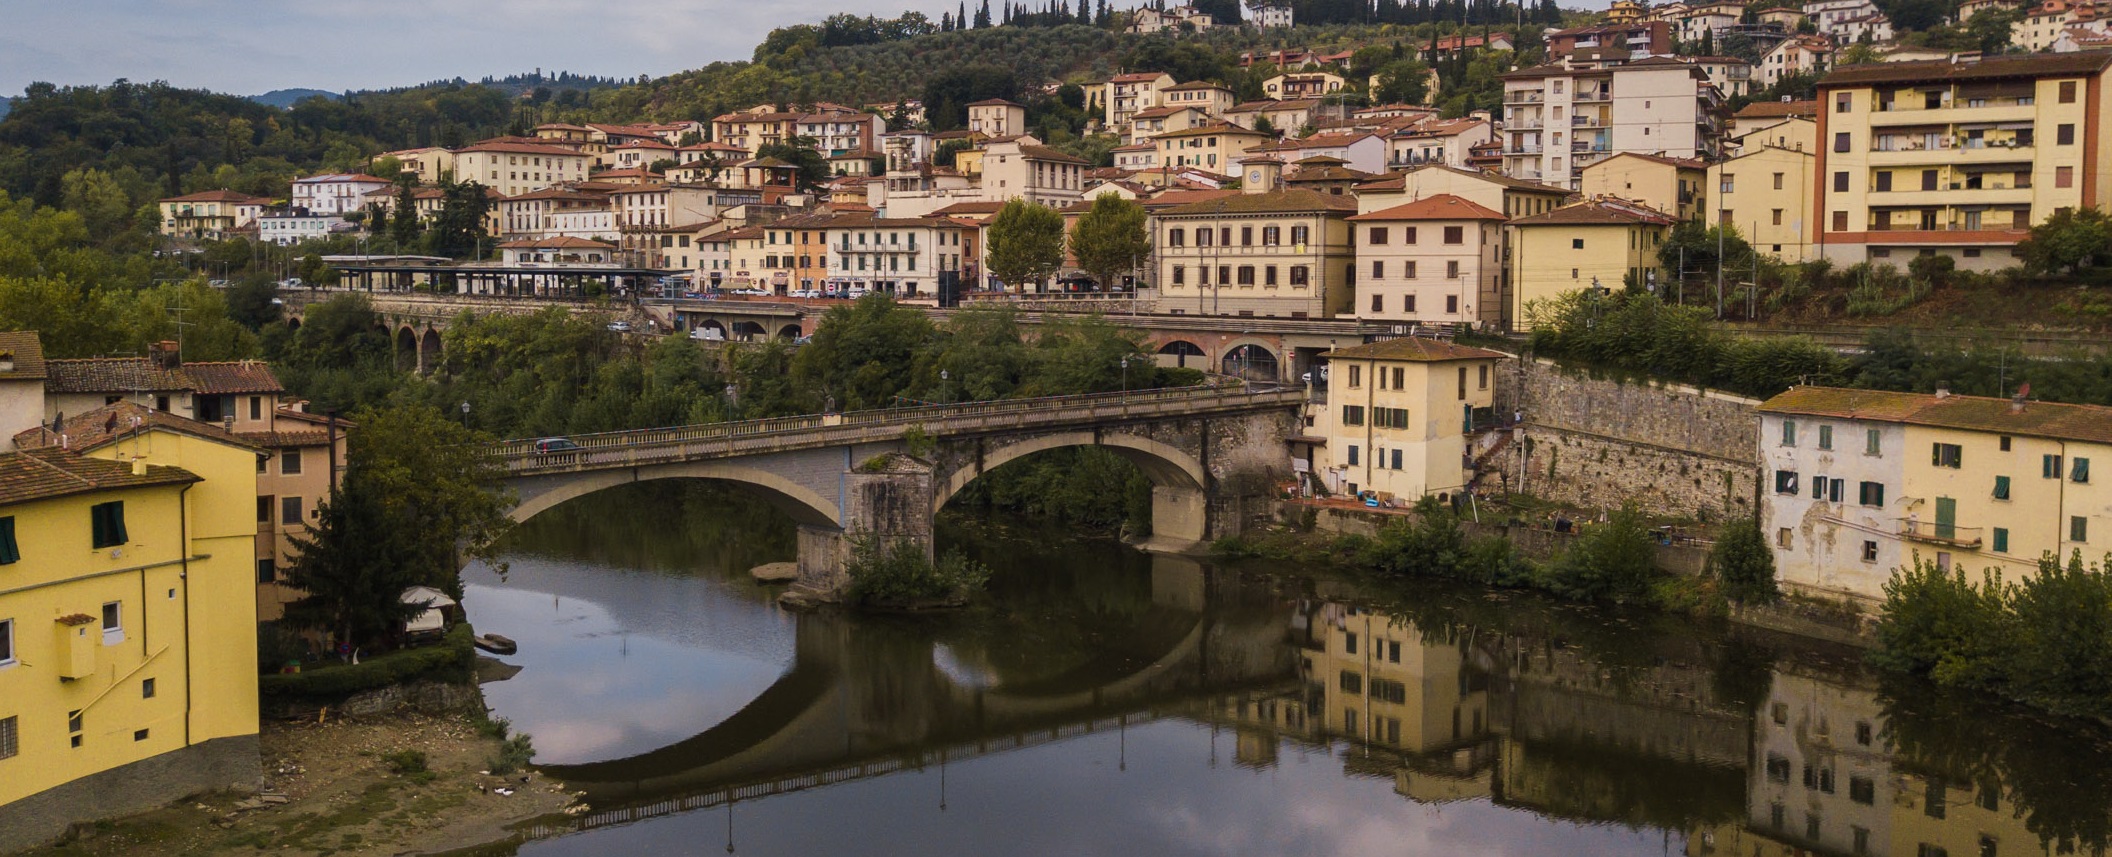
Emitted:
<point x="1217" y="320"/>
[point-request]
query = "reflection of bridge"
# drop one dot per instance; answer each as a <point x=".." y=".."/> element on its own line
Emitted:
<point x="865" y="699"/>
<point x="888" y="472"/>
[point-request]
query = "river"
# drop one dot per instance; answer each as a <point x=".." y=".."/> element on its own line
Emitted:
<point x="1103" y="701"/>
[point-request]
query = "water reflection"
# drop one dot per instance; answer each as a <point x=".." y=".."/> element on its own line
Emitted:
<point x="1110" y="702"/>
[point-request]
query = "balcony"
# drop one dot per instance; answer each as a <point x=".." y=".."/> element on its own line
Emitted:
<point x="1584" y="95"/>
<point x="1523" y="150"/>
<point x="1933" y="533"/>
<point x="1524" y="96"/>
<point x="1994" y="111"/>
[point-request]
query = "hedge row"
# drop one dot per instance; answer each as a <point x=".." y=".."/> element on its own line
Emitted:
<point x="453" y="659"/>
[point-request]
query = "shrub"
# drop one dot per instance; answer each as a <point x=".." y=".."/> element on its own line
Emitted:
<point x="1744" y="564"/>
<point x="895" y="572"/>
<point x="1614" y="561"/>
<point x="1937" y="624"/>
<point x="2061" y="657"/>
<point x="450" y="660"/>
<point x="514" y="754"/>
<point x="1428" y="545"/>
<point x="405" y="762"/>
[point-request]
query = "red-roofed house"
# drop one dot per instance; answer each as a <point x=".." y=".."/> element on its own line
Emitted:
<point x="1437" y="260"/>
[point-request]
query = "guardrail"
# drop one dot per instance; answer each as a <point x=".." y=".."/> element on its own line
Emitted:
<point x="680" y="443"/>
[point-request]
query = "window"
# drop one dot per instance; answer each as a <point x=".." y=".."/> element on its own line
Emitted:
<point x="1300" y="274"/>
<point x="2049" y="467"/>
<point x="10" y="738"/>
<point x="1408" y="235"/>
<point x="1785" y="482"/>
<point x="1862" y="790"/>
<point x="2064" y="135"/>
<point x="1484" y="377"/>
<point x="113" y="621"/>
<point x="1777" y="215"/>
<point x="1840" y="182"/>
<point x="1180" y="274"/>
<point x="7" y="641"/>
<point x="2001" y="487"/>
<point x="1298" y="234"/>
<point x="290" y="462"/>
<point x="1789" y="432"/>
<point x="2063" y="176"/>
<point x="1840" y="142"/>
<point x="1576" y="243"/>
<point x="1818" y="487"/>
<point x="1871" y="439"/>
<point x="1933" y="803"/>
<point x="2079" y="471"/>
<point x="108" y="521"/>
<point x="1452" y="269"/>
<point x="1203" y="236"/>
<point x="1408" y="269"/>
<point x="1841" y="101"/>
<point x="2001" y="540"/>
<point x="1872" y="494"/>
<point x="1246" y="275"/>
<point x="146" y="688"/>
<point x="1784" y="538"/>
<point x="1378" y="235"/>
<point x="9" y="551"/>
<point x="1176" y="237"/>
<point x="1352" y="415"/>
<point x="2078" y="528"/>
<point x="1352" y="682"/>
<point x="1945" y="455"/>
<point x="1378" y="303"/>
<point x="1349" y="643"/>
<point x="1455" y="235"/>
<point x="2067" y="92"/>
<point x="1869" y="551"/>
<point x="1268" y="275"/>
<point x="139" y="734"/>
<point x="1883" y="183"/>
<point x="1840" y="221"/>
<point x="2005" y="443"/>
<point x="267" y="571"/>
<point x="1356" y="376"/>
<point x="1378" y="269"/>
<point x="1777" y="768"/>
<point x="1452" y="306"/>
<point x="289" y="510"/>
<point x="1825" y="437"/>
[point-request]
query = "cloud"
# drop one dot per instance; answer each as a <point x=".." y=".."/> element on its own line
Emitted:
<point x="249" y="48"/>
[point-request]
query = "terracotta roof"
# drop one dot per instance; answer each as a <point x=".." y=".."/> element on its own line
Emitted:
<point x="969" y="208"/>
<point x="287" y="439"/>
<point x="1138" y="77"/>
<point x="214" y="196"/>
<point x="1443" y="206"/>
<point x="238" y="376"/>
<point x="1597" y="212"/>
<point x="111" y="375"/>
<point x="1044" y="153"/>
<point x="561" y="242"/>
<point x="1207" y="130"/>
<point x="1399" y="181"/>
<point x="1992" y="68"/>
<point x="1416" y="348"/>
<point x="28" y="352"/>
<point x="519" y="148"/>
<point x="111" y="423"/>
<point x="44" y="474"/>
<point x="1973" y="413"/>
<point x="1777" y="109"/>
<point x="1194" y="85"/>
<point x="1682" y="163"/>
<point x="1163" y="112"/>
<point x="1171" y="198"/>
<point x="1273" y="201"/>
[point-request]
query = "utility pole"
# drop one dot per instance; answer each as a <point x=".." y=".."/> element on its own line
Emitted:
<point x="1719" y="271"/>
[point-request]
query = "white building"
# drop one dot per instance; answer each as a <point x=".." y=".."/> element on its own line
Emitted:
<point x="1445" y="141"/>
<point x="1557" y="120"/>
<point x="1832" y="17"/>
<point x="295" y="226"/>
<point x="1272" y="16"/>
<point x="1836" y="485"/>
<point x="337" y="193"/>
<point x="1438" y="260"/>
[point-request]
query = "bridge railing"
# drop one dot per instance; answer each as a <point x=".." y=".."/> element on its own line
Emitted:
<point x="645" y="446"/>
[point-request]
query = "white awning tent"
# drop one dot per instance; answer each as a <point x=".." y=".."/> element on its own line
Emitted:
<point x="435" y="601"/>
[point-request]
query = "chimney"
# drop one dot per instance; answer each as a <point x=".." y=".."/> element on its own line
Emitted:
<point x="2016" y="403"/>
<point x="1943" y="389"/>
<point x="139" y="467"/>
<point x="165" y="354"/>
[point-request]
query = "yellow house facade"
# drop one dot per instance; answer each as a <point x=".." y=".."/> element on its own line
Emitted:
<point x="127" y="630"/>
<point x="1434" y="261"/>
<point x="1763" y="193"/>
<point x="212" y="214"/>
<point x="1957" y="159"/>
<point x="1216" y="148"/>
<point x="1592" y="244"/>
<point x="1396" y="417"/>
<point x="1965" y="481"/>
<point x="1672" y="185"/>
<point x="1283" y="253"/>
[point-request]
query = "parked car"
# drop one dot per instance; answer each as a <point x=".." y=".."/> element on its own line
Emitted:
<point x="554" y="445"/>
<point x="620" y="326"/>
<point x="291" y="283"/>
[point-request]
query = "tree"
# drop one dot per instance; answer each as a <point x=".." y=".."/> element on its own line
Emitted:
<point x="419" y="495"/>
<point x="252" y="301"/>
<point x="404" y="227"/>
<point x="1860" y="53"/>
<point x="463" y="226"/>
<point x="1694" y="246"/>
<point x="1110" y="237"/>
<point x="2072" y="241"/>
<point x="863" y="354"/>
<point x="1614" y="561"/>
<point x="1025" y="243"/>
<point x="1744" y="563"/>
<point x="799" y="152"/>
<point x="1403" y="82"/>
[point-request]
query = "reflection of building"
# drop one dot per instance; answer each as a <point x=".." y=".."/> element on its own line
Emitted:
<point x="1820" y="776"/>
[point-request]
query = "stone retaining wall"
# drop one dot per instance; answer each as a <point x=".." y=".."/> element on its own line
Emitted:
<point x="146" y="784"/>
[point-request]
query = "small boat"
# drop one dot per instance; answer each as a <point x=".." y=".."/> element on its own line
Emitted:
<point x="495" y="644"/>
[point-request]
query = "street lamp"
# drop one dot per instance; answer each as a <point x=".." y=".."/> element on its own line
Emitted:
<point x="465" y="413"/>
<point x="733" y="402"/>
<point x="1125" y="377"/>
<point x="943" y="389"/>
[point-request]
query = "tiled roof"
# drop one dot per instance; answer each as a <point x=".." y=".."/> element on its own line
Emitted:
<point x="1777" y="109"/>
<point x="28" y="352"/>
<point x="1195" y="85"/>
<point x="1273" y="201"/>
<point x="111" y="423"/>
<point x="1208" y="130"/>
<point x="1682" y="163"/>
<point x="969" y="208"/>
<point x="1171" y="198"/>
<point x="110" y="375"/>
<point x="1597" y="212"/>
<point x="515" y="148"/>
<point x="240" y="376"/>
<point x="1992" y="68"/>
<point x="561" y="242"/>
<point x="1044" y="153"/>
<point x="214" y="196"/>
<point x="1137" y="77"/>
<point x="1400" y="180"/>
<point x="992" y="102"/>
<point x="1973" y="413"/>
<point x="1416" y="348"/>
<point x="1443" y="206"/>
<point x="287" y="439"/>
<point x="44" y="474"/>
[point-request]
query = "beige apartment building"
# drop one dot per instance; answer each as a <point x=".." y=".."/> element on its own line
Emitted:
<point x="1217" y="148"/>
<point x="1438" y="260"/>
<point x="1673" y="185"/>
<point x="1022" y="168"/>
<point x="1396" y="416"/>
<point x="1257" y="253"/>
<point x="1922" y="158"/>
<point x="514" y="168"/>
<point x="1765" y="191"/>
<point x="1129" y="93"/>
<point x="212" y="214"/>
<point x="1560" y="119"/>
<point x="1597" y="243"/>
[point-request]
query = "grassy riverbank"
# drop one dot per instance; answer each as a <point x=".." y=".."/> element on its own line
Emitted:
<point x="396" y="784"/>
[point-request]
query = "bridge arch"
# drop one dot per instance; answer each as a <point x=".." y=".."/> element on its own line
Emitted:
<point x="1178" y="480"/>
<point x="790" y="331"/>
<point x="1252" y="361"/>
<point x="749" y="331"/>
<point x="406" y="348"/>
<point x="1181" y="351"/>
<point x="713" y="324"/>
<point x="293" y="324"/>
<point x="804" y="505"/>
<point x="429" y="350"/>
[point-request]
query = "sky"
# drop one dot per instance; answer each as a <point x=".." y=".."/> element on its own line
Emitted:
<point x="248" y="48"/>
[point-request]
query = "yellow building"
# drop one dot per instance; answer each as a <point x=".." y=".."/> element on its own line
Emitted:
<point x="1211" y="98"/>
<point x="1921" y="158"/>
<point x="212" y="214"/>
<point x="1667" y="184"/>
<point x="127" y="629"/>
<point x="513" y="168"/>
<point x="1384" y="685"/>
<point x="1597" y="243"/>
<point x="1216" y="148"/>
<point x="1257" y="253"/>
<point x="1397" y="414"/>
<point x="1765" y="192"/>
<point x="1862" y="482"/>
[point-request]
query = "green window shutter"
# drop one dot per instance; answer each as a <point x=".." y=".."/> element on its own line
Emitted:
<point x="2080" y="470"/>
<point x="108" y="522"/>
<point x="9" y="551"/>
<point x="2001" y="540"/>
<point x="2001" y="487"/>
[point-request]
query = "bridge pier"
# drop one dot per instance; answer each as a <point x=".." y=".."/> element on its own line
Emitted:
<point x="889" y="498"/>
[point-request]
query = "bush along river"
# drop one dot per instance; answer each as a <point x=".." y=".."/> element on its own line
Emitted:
<point x="1097" y="700"/>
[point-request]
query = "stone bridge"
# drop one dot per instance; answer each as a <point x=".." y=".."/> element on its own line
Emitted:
<point x="1212" y="454"/>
